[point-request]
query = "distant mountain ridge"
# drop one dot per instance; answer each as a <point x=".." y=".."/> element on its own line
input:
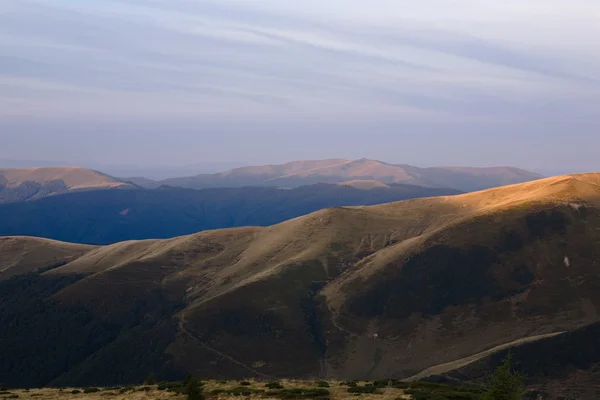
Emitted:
<point x="301" y="173"/>
<point x="18" y="184"/>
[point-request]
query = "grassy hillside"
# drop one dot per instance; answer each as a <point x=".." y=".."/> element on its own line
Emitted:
<point x="349" y="292"/>
<point x="109" y="216"/>
<point x="20" y="255"/>
<point x="257" y="389"/>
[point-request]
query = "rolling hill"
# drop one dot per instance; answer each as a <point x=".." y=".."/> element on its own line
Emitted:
<point x="109" y="216"/>
<point x="300" y="173"/>
<point x="348" y="292"/>
<point x="18" y="184"/>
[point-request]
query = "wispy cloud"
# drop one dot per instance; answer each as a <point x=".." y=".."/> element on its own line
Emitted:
<point x="465" y="57"/>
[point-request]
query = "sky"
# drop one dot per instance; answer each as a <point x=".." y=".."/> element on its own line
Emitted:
<point x="171" y="83"/>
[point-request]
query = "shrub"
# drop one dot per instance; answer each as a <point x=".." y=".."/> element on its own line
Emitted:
<point x="401" y="385"/>
<point x="75" y="391"/>
<point x="5" y="392"/>
<point x="323" y="384"/>
<point x="381" y="383"/>
<point x="127" y="389"/>
<point x="273" y="385"/>
<point x="150" y="380"/>
<point x="91" y="390"/>
<point x="170" y="386"/>
<point x="362" y="389"/>
<point x="245" y="383"/>
<point x="244" y="391"/>
<point x="144" y="389"/>
<point x="304" y="393"/>
<point x="12" y="396"/>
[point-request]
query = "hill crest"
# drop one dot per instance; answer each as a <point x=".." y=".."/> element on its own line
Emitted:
<point x="18" y="184"/>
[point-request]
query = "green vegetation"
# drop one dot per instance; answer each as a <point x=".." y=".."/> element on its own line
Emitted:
<point x="126" y="389"/>
<point x="238" y="391"/>
<point x="299" y="393"/>
<point x="172" y="386"/>
<point x="276" y="391"/>
<point x="75" y="391"/>
<point x="273" y="385"/>
<point x="150" y="380"/>
<point x="362" y="389"/>
<point x="382" y="383"/>
<point x="194" y="389"/>
<point x="436" y="391"/>
<point x="505" y="383"/>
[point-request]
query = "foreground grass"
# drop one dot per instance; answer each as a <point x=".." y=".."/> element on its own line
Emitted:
<point x="251" y="389"/>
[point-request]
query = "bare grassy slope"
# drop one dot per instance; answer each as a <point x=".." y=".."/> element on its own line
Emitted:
<point x="18" y="184"/>
<point x="22" y="254"/>
<point x="363" y="292"/>
<point x="73" y="177"/>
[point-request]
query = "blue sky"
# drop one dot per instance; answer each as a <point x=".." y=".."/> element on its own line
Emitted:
<point x="174" y="82"/>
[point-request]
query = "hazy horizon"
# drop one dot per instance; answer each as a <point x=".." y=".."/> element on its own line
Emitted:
<point x="179" y="83"/>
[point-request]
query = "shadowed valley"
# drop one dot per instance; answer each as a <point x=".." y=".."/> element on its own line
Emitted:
<point x="109" y="216"/>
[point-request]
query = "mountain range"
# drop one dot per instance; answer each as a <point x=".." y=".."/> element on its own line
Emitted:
<point x="300" y="173"/>
<point x="422" y="287"/>
<point x="21" y="184"/>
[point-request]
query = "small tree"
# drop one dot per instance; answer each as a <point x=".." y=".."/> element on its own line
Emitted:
<point x="505" y="383"/>
<point x="194" y="389"/>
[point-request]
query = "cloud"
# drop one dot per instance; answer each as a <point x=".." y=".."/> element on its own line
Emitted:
<point x="466" y="58"/>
